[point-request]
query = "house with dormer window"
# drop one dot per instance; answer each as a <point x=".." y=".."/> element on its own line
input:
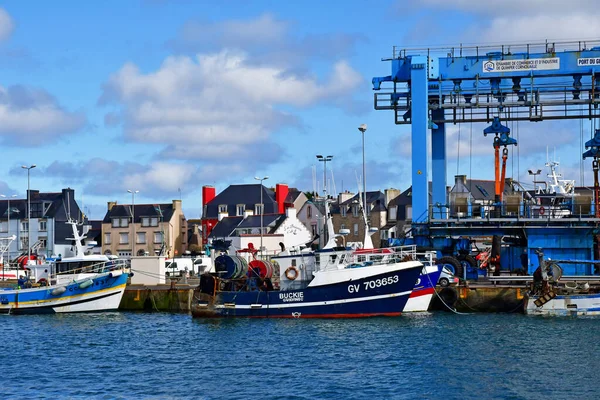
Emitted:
<point x="47" y="217"/>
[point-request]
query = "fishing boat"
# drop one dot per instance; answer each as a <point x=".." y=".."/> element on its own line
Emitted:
<point x="327" y="284"/>
<point x="83" y="283"/>
<point x="553" y="294"/>
<point x="302" y="283"/>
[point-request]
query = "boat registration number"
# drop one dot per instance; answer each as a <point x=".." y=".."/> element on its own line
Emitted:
<point x="375" y="283"/>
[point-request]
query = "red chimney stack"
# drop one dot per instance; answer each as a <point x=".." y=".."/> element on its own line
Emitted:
<point x="281" y="192"/>
<point x="208" y="194"/>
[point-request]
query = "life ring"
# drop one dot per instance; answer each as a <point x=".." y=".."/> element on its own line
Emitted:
<point x="542" y="210"/>
<point x="291" y="273"/>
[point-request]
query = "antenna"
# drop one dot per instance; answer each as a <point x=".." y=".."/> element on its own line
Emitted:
<point x="333" y="183"/>
<point x="314" y="179"/>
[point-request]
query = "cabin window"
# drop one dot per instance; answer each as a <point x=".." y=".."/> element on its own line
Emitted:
<point x="158" y="237"/>
<point x="240" y="208"/>
<point x="293" y="263"/>
<point x="43" y="226"/>
<point x="123" y="238"/>
<point x="107" y="238"/>
<point x="141" y="237"/>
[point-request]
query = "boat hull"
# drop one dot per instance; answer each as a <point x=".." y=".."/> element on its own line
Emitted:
<point x="424" y="289"/>
<point x="378" y="294"/>
<point x="104" y="293"/>
<point x="566" y="305"/>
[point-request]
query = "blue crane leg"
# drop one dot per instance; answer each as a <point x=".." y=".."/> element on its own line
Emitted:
<point x="438" y="163"/>
<point x="419" y="117"/>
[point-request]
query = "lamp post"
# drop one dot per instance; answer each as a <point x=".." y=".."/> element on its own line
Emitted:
<point x="534" y="173"/>
<point x="8" y="218"/>
<point x="324" y="159"/>
<point x="362" y="128"/>
<point x="262" y="210"/>
<point x="28" y="211"/>
<point x="133" y="192"/>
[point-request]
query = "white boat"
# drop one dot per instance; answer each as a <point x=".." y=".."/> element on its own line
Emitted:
<point x="550" y="297"/>
<point x="83" y="283"/>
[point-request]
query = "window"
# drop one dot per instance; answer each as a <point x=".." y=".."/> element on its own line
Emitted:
<point x="158" y="237"/>
<point x="107" y="238"/>
<point x="107" y="252"/>
<point x="355" y="211"/>
<point x="43" y="242"/>
<point x="343" y="211"/>
<point x="154" y="221"/>
<point x="124" y="253"/>
<point x="4" y="226"/>
<point x="141" y="237"/>
<point x="222" y="208"/>
<point x="120" y="222"/>
<point x="355" y="229"/>
<point x="42" y="226"/>
<point x="145" y="221"/>
<point x="314" y="230"/>
<point x="258" y="209"/>
<point x="24" y="242"/>
<point x="239" y="209"/>
<point x="24" y="226"/>
<point x="393" y="213"/>
<point x="309" y="212"/>
<point x="36" y="210"/>
<point x="123" y="238"/>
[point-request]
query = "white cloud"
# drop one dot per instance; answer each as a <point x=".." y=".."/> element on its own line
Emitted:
<point x="217" y="102"/>
<point x="160" y="175"/>
<point x="32" y="116"/>
<point x="6" y="25"/>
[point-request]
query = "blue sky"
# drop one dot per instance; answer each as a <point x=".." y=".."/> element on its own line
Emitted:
<point x="166" y="96"/>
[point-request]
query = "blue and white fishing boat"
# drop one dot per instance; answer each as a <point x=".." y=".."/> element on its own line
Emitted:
<point x="83" y="283"/>
<point x="301" y="283"/>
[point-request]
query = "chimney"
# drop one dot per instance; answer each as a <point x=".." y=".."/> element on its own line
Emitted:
<point x="281" y="192"/>
<point x="208" y="194"/>
<point x="460" y="179"/>
<point x="390" y="194"/>
<point x="176" y="205"/>
<point x="111" y="204"/>
<point x="342" y="197"/>
<point x="290" y="212"/>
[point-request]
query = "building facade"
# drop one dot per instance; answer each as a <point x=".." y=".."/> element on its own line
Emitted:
<point x="148" y="229"/>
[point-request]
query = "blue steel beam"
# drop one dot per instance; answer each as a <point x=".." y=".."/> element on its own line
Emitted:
<point x="438" y="163"/>
<point x="419" y="116"/>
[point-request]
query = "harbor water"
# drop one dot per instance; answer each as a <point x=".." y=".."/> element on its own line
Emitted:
<point x="440" y="355"/>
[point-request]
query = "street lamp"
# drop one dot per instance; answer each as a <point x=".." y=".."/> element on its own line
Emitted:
<point x="362" y="128"/>
<point x="8" y="218"/>
<point x="262" y="210"/>
<point x="324" y="159"/>
<point x="133" y="192"/>
<point x="534" y="173"/>
<point x="28" y="211"/>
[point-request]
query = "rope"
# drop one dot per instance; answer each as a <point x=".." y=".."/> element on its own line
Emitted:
<point x="442" y="300"/>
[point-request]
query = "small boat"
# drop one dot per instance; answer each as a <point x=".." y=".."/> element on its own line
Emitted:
<point x="83" y="283"/>
<point x="549" y="297"/>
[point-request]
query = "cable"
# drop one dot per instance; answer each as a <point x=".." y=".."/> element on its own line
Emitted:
<point x="458" y="151"/>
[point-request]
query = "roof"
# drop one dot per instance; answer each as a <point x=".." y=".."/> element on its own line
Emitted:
<point x="225" y="227"/>
<point x="481" y="189"/>
<point x="248" y="195"/>
<point x="253" y="221"/>
<point x="163" y="211"/>
<point x="375" y="199"/>
<point x="292" y="196"/>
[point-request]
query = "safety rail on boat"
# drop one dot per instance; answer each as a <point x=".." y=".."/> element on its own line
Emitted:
<point x="96" y="268"/>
